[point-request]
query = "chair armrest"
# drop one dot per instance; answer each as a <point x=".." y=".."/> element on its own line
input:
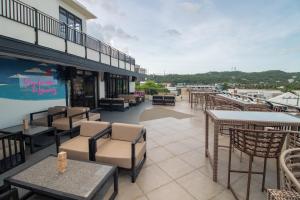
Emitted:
<point x="139" y="137"/>
<point x="75" y="115"/>
<point x="57" y="139"/>
<point x="34" y="113"/>
<point x="93" y="142"/>
<point x="134" y="142"/>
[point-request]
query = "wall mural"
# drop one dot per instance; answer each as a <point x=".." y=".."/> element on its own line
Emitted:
<point x="28" y="80"/>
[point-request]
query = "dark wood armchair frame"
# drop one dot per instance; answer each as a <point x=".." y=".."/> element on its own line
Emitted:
<point x="39" y="112"/>
<point x="135" y="170"/>
<point x="72" y="129"/>
<point x="11" y="159"/>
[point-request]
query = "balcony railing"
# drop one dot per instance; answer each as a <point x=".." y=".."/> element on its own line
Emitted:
<point x="29" y="16"/>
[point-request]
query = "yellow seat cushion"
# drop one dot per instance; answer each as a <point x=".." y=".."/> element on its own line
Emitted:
<point x="90" y="128"/>
<point x="40" y="121"/>
<point x="77" y="148"/>
<point x="63" y="123"/>
<point x="125" y="132"/>
<point x="118" y="153"/>
<point x="94" y="116"/>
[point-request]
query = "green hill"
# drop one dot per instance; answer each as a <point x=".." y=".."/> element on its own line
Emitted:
<point x="267" y="79"/>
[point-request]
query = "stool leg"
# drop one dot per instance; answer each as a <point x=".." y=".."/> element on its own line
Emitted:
<point x="229" y="163"/>
<point x="278" y="173"/>
<point x="264" y="175"/>
<point x="249" y="177"/>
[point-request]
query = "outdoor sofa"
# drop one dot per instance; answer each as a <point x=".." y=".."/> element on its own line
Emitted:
<point x="73" y="117"/>
<point x="77" y="148"/>
<point x="164" y="100"/>
<point x="125" y="147"/>
<point x="44" y="117"/>
<point x="129" y="98"/>
<point x="113" y="104"/>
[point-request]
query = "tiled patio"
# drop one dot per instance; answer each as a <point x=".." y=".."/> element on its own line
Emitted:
<point x="176" y="167"/>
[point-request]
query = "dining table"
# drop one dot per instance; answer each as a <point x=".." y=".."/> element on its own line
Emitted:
<point x="246" y="118"/>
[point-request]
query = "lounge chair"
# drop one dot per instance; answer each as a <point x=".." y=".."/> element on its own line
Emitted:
<point x="77" y="148"/>
<point x="73" y="117"/>
<point x="125" y="148"/>
<point x="119" y="104"/>
<point x="43" y="118"/>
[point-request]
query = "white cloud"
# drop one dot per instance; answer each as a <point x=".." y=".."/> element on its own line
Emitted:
<point x="19" y="76"/>
<point x="35" y="70"/>
<point x="191" y="36"/>
<point x="190" y="7"/>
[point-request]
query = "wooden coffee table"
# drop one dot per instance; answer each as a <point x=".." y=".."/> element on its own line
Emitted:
<point x="81" y="180"/>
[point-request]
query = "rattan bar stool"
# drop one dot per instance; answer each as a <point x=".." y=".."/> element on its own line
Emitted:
<point x="255" y="143"/>
<point x="274" y="194"/>
<point x="290" y="165"/>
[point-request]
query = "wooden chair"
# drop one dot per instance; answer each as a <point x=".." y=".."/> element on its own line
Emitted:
<point x="255" y="143"/>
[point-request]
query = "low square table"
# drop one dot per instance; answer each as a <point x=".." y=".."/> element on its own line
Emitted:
<point x="81" y="180"/>
<point x="219" y="117"/>
<point x="32" y="133"/>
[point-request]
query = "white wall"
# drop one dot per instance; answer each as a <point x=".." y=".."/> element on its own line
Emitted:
<point x="122" y="64"/>
<point x="101" y="86"/>
<point x="14" y="111"/>
<point x="127" y="66"/>
<point x="132" y="68"/>
<point x="16" y="30"/>
<point x="93" y="55"/>
<point x="51" y="41"/>
<point x="105" y="59"/>
<point x="76" y="49"/>
<point x="131" y="87"/>
<point x="50" y="7"/>
<point x="114" y="62"/>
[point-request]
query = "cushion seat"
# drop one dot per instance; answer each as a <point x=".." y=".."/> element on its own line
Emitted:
<point x="40" y="121"/>
<point x="63" y="123"/>
<point x="118" y="152"/>
<point x="94" y="116"/>
<point x="78" y="147"/>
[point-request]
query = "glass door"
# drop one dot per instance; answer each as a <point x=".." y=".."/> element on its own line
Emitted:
<point x="84" y="90"/>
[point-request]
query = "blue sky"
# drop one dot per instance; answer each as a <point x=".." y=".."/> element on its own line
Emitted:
<point x="189" y="36"/>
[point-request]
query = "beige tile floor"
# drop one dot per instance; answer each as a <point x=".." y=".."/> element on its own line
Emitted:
<point x="177" y="169"/>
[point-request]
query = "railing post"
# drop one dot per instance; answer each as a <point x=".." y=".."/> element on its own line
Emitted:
<point x="100" y="51"/>
<point x="36" y="26"/>
<point x="85" y="46"/>
<point x="118" y="59"/>
<point x="110" y="55"/>
<point x="66" y="37"/>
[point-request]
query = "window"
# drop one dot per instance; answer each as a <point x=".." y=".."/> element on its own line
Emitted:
<point x="70" y="19"/>
<point x="74" y="23"/>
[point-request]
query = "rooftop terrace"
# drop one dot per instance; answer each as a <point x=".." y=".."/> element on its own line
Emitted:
<point x="176" y="166"/>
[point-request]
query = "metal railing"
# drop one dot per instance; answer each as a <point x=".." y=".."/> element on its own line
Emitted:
<point x="27" y="15"/>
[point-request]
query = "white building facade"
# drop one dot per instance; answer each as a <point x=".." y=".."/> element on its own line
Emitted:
<point x="47" y="59"/>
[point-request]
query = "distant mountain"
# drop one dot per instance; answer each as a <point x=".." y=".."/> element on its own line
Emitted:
<point x="267" y="79"/>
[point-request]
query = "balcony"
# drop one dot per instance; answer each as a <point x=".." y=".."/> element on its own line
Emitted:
<point x="26" y="23"/>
